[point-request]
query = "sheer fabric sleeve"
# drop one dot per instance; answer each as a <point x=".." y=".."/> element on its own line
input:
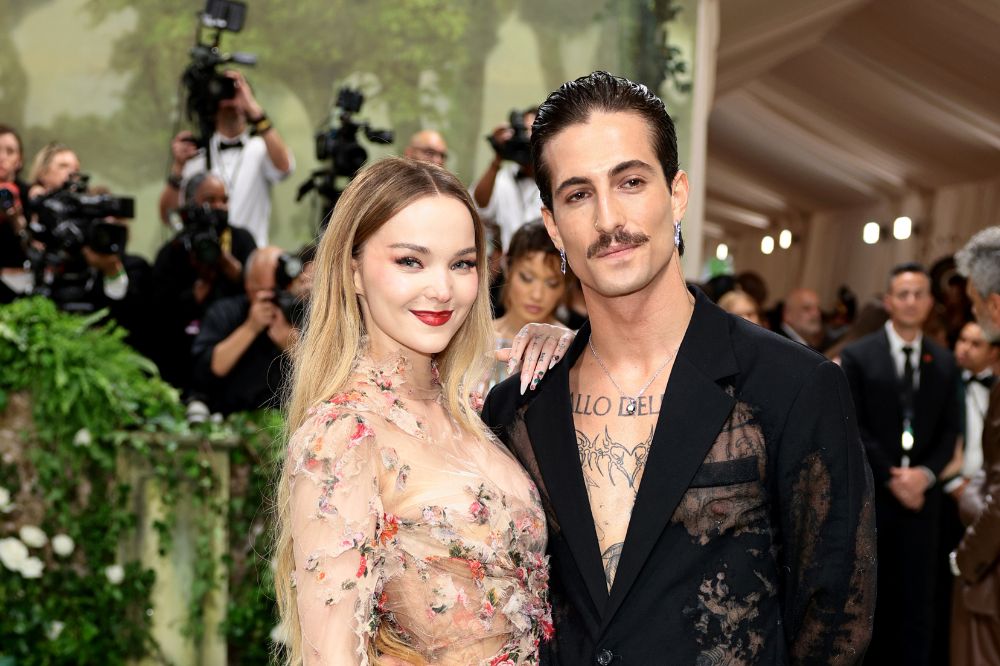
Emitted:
<point x="828" y="525"/>
<point x="334" y="507"/>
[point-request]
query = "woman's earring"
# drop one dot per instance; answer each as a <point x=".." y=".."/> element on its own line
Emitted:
<point x="562" y="257"/>
<point x="677" y="233"/>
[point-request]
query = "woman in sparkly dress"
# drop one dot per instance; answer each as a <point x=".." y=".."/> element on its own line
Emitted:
<point x="407" y="533"/>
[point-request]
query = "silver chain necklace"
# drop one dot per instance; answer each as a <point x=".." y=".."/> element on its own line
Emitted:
<point x="632" y="403"/>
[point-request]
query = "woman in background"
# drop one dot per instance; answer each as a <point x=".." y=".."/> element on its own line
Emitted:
<point x="741" y="304"/>
<point x="51" y="168"/>
<point x="534" y="289"/>
<point x="407" y="533"/>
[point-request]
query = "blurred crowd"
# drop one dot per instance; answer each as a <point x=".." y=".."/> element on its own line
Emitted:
<point x="219" y="305"/>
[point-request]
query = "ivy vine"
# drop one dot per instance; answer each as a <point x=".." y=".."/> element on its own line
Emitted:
<point x="74" y="398"/>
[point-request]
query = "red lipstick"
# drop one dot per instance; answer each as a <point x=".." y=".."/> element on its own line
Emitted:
<point x="432" y="317"/>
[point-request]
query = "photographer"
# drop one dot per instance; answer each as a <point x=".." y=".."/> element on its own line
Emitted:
<point x="239" y="353"/>
<point x="506" y="193"/>
<point x="200" y="265"/>
<point x="427" y="146"/>
<point x="51" y="169"/>
<point x="247" y="153"/>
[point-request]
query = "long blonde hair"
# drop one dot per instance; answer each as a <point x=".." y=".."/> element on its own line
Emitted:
<point x="334" y="330"/>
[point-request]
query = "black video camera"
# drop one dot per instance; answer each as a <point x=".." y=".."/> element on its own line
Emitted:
<point x="293" y="307"/>
<point x="340" y="146"/>
<point x="518" y="147"/>
<point x="68" y="219"/>
<point x="206" y="87"/>
<point x="202" y="233"/>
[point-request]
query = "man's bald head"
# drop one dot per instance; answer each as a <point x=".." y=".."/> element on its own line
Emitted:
<point x="260" y="269"/>
<point x="427" y="146"/>
<point x="802" y="313"/>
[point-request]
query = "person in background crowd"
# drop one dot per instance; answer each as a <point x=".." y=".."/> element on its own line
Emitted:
<point x="753" y="284"/>
<point x="427" y="146"/>
<point x="976" y="358"/>
<point x="976" y="618"/>
<point x="907" y="410"/>
<point x="741" y="304"/>
<point x="239" y="360"/>
<point x="534" y="289"/>
<point x="51" y="168"/>
<point x="203" y="263"/>
<point x="506" y="193"/>
<point x="802" y="319"/>
<point x="247" y="153"/>
<point x="13" y="193"/>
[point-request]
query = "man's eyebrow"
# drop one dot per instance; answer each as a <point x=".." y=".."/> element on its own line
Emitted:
<point x="625" y="166"/>
<point x="614" y="171"/>
<point x="572" y="181"/>
<point x="410" y="246"/>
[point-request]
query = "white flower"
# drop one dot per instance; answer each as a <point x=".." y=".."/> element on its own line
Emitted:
<point x="62" y="545"/>
<point x="82" y="437"/>
<point x="5" y="505"/>
<point x="32" y="536"/>
<point x="13" y="553"/>
<point x="115" y="574"/>
<point x="32" y="568"/>
<point x="54" y="630"/>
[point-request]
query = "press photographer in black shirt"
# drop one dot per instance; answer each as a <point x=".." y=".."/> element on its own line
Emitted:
<point x="239" y="352"/>
<point x="200" y="265"/>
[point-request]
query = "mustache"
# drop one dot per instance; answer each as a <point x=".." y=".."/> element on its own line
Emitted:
<point x="620" y="237"/>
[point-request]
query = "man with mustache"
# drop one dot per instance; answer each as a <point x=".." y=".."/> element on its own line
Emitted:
<point x="705" y="484"/>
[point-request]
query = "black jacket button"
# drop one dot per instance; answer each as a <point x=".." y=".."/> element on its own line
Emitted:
<point x="604" y="657"/>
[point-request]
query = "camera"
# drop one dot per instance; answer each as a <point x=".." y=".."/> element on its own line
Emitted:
<point x="202" y="232"/>
<point x="64" y="222"/>
<point x="293" y="307"/>
<point x="518" y="147"/>
<point x="8" y="199"/>
<point x="339" y="146"/>
<point x="69" y="219"/>
<point x="206" y="87"/>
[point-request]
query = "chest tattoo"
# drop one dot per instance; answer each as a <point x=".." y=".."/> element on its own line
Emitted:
<point x="616" y="461"/>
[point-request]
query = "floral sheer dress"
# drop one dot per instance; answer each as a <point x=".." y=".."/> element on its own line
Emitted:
<point x="399" y="517"/>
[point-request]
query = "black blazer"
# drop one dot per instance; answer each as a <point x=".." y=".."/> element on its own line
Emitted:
<point x="876" y="388"/>
<point x="752" y="537"/>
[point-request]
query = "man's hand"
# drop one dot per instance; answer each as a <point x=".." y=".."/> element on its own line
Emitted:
<point x="109" y="265"/>
<point x="244" y="99"/>
<point x="183" y="148"/>
<point x="282" y="334"/>
<point x="501" y="135"/>
<point x="908" y="485"/>
<point x="262" y="311"/>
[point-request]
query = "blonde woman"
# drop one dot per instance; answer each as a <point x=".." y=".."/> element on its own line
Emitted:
<point x="408" y="535"/>
<point x="51" y="168"/>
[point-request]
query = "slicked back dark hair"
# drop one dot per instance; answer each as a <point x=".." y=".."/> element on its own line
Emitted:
<point x="575" y="101"/>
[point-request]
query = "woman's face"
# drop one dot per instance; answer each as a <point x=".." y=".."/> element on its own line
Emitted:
<point x="417" y="277"/>
<point x="534" y="288"/>
<point x="10" y="157"/>
<point x="62" y="165"/>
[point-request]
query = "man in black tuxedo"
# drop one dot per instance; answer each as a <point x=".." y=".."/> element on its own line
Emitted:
<point x="705" y="484"/>
<point x="904" y="391"/>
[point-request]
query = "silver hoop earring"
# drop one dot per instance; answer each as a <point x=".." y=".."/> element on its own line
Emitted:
<point x="677" y="233"/>
<point x="562" y="264"/>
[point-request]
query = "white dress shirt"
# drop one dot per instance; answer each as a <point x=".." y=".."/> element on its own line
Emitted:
<point x="514" y="203"/>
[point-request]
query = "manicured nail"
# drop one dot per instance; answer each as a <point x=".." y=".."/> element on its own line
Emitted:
<point x="524" y="384"/>
<point x="538" y="378"/>
<point x="552" y="363"/>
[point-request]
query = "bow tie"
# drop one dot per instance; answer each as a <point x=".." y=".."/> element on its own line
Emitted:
<point x="228" y="145"/>
<point x="988" y="381"/>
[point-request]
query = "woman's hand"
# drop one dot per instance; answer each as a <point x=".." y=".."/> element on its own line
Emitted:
<point x="536" y="348"/>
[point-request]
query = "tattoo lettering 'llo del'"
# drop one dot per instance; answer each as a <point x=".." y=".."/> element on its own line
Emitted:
<point x="586" y="404"/>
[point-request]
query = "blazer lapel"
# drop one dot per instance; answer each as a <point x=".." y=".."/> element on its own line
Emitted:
<point x="549" y="420"/>
<point x="695" y="408"/>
